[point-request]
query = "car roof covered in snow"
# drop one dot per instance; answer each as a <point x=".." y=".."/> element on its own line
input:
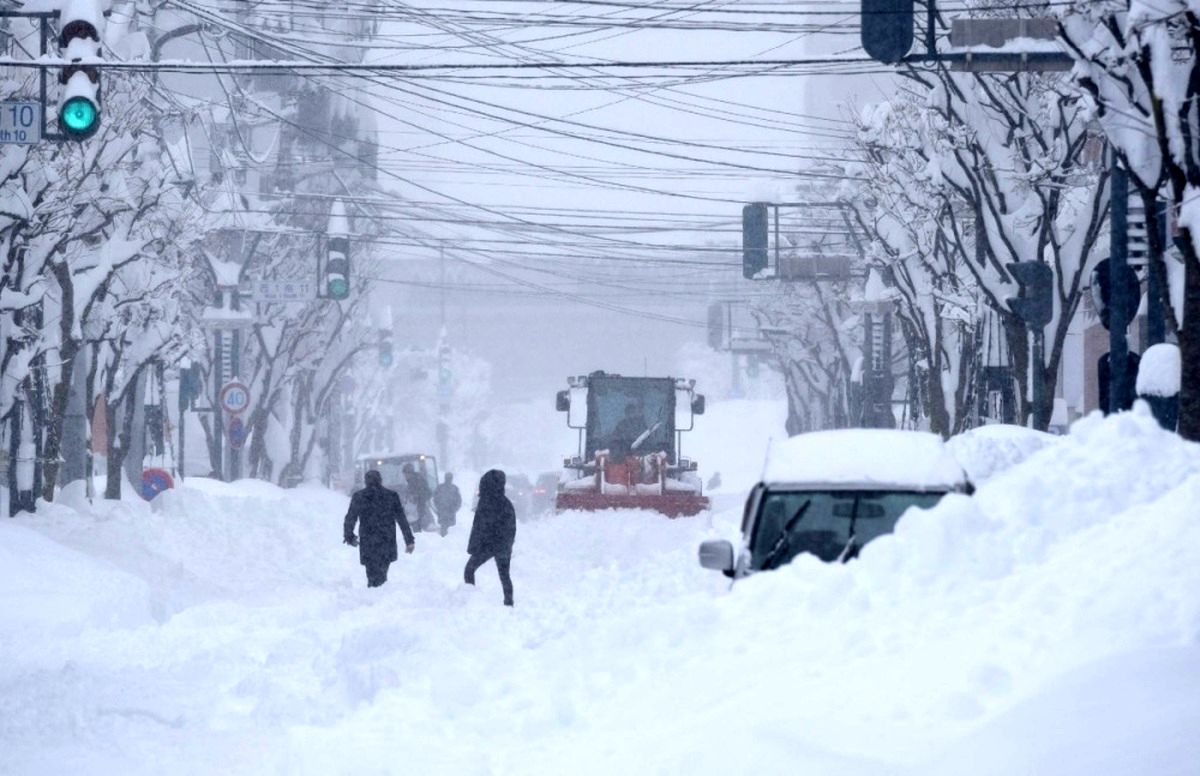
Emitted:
<point x="910" y="460"/>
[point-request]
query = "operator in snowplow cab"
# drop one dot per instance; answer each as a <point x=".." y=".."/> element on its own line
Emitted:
<point x="629" y="429"/>
<point x="377" y="511"/>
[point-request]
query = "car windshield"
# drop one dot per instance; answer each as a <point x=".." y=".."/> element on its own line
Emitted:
<point x="825" y="522"/>
<point x="391" y="468"/>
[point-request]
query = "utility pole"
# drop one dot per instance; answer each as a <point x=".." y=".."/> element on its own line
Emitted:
<point x="444" y="377"/>
<point x="1123" y="307"/>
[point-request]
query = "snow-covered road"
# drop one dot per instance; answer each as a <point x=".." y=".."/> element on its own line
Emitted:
<point x="1048" y="625"/>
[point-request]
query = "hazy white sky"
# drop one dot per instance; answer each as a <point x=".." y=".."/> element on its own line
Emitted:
<point x="596" y="213"/>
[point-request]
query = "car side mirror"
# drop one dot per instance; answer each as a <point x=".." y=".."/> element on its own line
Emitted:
<point x="717" y="554"/>
<point x="698" y="404"/>
<point x="562" y="401"/>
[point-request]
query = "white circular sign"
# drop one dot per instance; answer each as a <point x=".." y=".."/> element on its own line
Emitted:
<point x="235" y="397"/>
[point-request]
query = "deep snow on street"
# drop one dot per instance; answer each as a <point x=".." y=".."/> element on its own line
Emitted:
<point x="1048" y="624"/>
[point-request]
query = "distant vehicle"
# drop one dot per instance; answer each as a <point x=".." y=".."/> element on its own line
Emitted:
<point x="391" y="467"/>
<point x="631" y="432"/>
<point x="544" y="491"/>
<point x="519" y="490"/>
<point x="829" y="493"/>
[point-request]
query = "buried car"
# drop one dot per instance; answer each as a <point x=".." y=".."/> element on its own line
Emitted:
<point x="829" y="493"/>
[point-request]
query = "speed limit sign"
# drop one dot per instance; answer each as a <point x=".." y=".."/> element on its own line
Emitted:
<point x="235" y="397"/>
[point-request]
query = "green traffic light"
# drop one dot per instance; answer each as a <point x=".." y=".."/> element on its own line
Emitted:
<point x="79" y="117"/>
<point x="339" y="288"/>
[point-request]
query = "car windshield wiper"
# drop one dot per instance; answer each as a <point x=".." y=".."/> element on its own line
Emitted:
<point x="785" y="539"/>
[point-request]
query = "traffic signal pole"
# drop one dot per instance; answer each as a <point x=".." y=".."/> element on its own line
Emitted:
<point x="1121" y="312"/>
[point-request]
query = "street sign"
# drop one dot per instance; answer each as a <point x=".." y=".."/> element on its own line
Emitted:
<point x="155" y="481"/>
<point x="235" y="397"/>
<point x="1102" y="290"/>
<point x="236" y="431"/>
<point x="278" y="291"/>
<point x="20" y="122"/>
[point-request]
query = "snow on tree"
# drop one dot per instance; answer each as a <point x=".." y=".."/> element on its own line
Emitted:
<point x="94" y="237"/>
<point x="1012" y="151"/>
<point x="815" y="336"/>
<point x="1139" y="62"/>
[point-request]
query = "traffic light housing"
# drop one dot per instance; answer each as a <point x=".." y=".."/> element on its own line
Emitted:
<point x="1035" y="302"/>
<point x="79" y="44"/>
<point x="886" y="29"/>
<point x="337" y="268"/>
<point x="1127" y="295"/>
<point x="716" y="326"/>
<point x="191" y="386"/>
<point x="754" y="239"/>
<point x="386" y="357"/>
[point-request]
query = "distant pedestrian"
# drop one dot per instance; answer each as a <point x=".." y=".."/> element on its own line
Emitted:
<point x="377" y="511"/>
<point x="493" y="532"/>
<point x="418" y="491"/>
<point x="446" y="502"/>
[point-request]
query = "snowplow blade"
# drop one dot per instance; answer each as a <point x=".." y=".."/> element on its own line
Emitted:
<point x="671" y="504"/>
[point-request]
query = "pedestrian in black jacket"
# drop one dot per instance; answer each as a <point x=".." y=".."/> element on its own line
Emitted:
<point x="419" y="492"/>
<point x="446" y="502"/>
<point x="493" y="532"/>
<point x="378" y="511"/>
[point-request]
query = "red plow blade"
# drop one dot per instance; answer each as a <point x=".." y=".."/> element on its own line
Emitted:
<point x="670" y="504"/>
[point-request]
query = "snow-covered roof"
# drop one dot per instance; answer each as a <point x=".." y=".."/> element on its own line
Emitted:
<point x="912" y="459"/>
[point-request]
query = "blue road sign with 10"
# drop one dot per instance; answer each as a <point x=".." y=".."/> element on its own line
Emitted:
<point x="20" y="122"/>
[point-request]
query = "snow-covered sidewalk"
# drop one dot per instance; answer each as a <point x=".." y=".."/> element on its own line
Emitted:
<point x="1047" y="625"/>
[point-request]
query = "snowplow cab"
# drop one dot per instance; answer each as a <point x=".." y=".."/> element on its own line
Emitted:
<point x="630" y="445"/>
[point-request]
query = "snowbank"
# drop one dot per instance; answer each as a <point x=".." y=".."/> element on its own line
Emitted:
<point x="1048" y="624"/>
<point x="989" y="450"/>
<point x="47" y="589"/>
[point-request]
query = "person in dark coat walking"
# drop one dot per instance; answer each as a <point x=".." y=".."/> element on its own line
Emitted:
<point x="446" y="502"/>
<point x="418" y="491"/>
<point x="493" y="532"/>
<point x="378" y="511"/>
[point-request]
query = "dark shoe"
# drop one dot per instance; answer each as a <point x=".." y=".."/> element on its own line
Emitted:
<point x="508" y="602"/>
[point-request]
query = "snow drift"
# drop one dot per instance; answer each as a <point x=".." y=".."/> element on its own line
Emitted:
<point x="1047" y="624"/>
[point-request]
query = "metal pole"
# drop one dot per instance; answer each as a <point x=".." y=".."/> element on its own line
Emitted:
<point x="777" y="240"/>
<point x="182" y="457"/>
<point x="1037" y="374"/>
<point x="1118" y="345"/>
<point x="235" y="455"/>
<point x="442" y="284"/>
<point x="14" y="450"/>
<point x="931" y="30"/>
<point x="44" y="28"/>
<point x="1156" y="324"/>
<point x="218" y="374"/>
